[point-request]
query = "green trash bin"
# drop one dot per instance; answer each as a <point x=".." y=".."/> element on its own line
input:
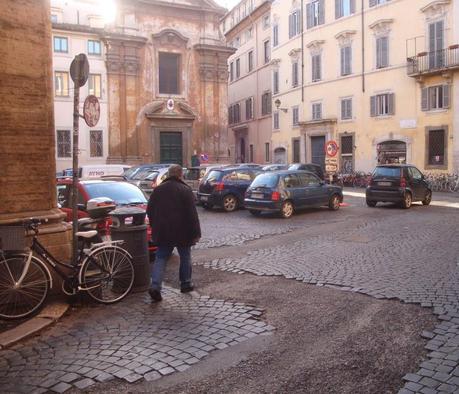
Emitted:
<point x="128" y="225"/>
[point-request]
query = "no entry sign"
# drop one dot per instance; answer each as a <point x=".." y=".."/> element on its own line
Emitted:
<point x="331" y="148"/>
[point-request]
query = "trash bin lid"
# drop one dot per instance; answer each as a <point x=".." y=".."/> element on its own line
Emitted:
<point x="127" y="211"/>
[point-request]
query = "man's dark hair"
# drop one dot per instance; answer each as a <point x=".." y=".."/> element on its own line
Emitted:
<point x="175" y="171"/>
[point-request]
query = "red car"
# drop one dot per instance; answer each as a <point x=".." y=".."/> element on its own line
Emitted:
<point x="123" y="193"/>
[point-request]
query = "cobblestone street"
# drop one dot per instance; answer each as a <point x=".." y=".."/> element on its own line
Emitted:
<point x="385" y="253"/>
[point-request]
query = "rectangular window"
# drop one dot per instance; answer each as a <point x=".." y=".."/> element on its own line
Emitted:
<point x="316" y="111"/>
<point x="296" y="150"/>
<point x="249" y="108"/>
<point x="346" y="109"/>
<point x="237" y="113"/>
<point x="347" y="152"/>
<point x="94" y="47"/>
<point x="267" y="51"/>
<point x="231" y="71"/>
<point x="63" y="142"/>
<point x="295" y="116"/>
<point x="376" y="2"/>
<point x="436" y="147"/>
<point x="266" y="103"/>
<point x="248" y="34"/>
<point x="276" y="82"/>
<point x="96" y="143"/>
<point x="382" y="52"/>
<point x="169" y="73"/>
<point x="61" y="44"/>
<point x="53" y="18"/>
<point x="275" y="35"/>
<point x="346" y="60"/>
<point x="294" y="74"/>
<point x="316" y="61"/>
<point x="237" y="42"/>
<point x="435" y="97"/>
<point x="251" y="153"/>
<point x="238" y="68"/>
<point x="344" y="8"/>
<point x="95" y="85"/>
<point x="230" y="115"/>
<point x="250" y="61"/>
<point x="61" y="83"/>
<point x="315" y="13"/>
<point x="276" y="120"/>
<point x="294" y="24"/>
<point x="382" y="104"/>
<point x="266" y="22"/>
<point x="267" y="152"/>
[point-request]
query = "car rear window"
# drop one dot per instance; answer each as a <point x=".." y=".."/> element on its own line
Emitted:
<point x="265" y="180"/>
<point x="120" y="192"/>
<point x="213" y="176"/>
<point x="151" y="176"/>
<point x="389" y="172"/>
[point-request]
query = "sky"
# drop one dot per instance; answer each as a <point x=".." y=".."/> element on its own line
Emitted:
<point x="227" y="3"/>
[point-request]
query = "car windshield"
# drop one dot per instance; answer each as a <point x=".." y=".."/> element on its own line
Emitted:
<point x="390" y="172"/>
<point x="214" y="176"/>
<point x="120" y="192"/>
<point x="265" y="180"/>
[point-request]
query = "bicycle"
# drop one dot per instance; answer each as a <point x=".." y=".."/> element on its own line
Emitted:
<point x="103" y="270"/>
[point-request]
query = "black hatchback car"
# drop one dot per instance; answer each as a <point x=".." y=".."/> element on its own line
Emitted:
<point x="398" y="183"/>
<point x="286" y="191"/>
<point x="225" y="187"/>
<point x="311" y="167"/>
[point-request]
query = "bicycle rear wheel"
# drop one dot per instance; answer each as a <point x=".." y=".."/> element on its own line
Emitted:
<point x="22" y="300"/>
<point x="107" y="274"/>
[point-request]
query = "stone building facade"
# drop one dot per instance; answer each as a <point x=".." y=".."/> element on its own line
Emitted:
<point x="167" y="82"/>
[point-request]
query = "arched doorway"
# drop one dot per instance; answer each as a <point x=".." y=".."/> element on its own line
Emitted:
<point x="391" y="152"/>
<point x="280" y="156"/>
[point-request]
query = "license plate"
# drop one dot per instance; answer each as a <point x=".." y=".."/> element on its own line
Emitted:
<point x="204" y="198"/>
<point x="257" y="195"/>
<point x="384" y="183"/>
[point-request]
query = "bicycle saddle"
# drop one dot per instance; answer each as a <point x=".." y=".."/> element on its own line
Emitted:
<point x="86" y="234"/>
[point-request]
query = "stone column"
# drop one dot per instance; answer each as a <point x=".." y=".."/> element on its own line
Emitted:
<point x="27" y="142"/>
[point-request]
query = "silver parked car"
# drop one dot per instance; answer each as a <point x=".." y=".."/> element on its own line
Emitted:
<point x="152" y="179"/>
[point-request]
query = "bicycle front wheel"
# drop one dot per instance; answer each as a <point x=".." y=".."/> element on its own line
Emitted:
<point x="107" y="274"/>
<point x="22" y="293"/>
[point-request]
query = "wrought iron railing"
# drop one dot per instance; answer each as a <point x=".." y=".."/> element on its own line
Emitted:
<point x="431" y="62"/>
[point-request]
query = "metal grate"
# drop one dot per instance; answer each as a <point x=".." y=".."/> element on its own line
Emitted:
<point x="346" y="145"/>
<point x="437" y="147"/>
<point x="12" y="238"/>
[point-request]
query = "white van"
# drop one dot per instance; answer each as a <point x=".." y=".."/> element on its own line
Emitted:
<point x="96" y="171"/>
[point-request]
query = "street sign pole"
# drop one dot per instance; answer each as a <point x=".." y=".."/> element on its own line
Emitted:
<point x="79" y="71"/>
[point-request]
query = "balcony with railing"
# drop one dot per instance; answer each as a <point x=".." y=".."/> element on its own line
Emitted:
<point x="435" y="62"/>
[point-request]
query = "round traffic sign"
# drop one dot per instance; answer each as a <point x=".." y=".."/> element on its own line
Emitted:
<point x="91" y="110"/>
<point x="204" y="157"/>
<point x="331" y="148"/>
<point x="79" y="70"/>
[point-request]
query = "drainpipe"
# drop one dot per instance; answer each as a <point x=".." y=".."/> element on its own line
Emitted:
<point x="255" y="113"/>
<point x="302" y="53"/>
<point x="363" y="48"/>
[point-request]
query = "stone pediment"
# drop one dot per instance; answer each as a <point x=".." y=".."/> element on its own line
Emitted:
<point x="170" y="37"/>
<point x="168" y="108"/>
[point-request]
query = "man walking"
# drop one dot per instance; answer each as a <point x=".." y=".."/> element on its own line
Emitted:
<point x="175" y="224"/>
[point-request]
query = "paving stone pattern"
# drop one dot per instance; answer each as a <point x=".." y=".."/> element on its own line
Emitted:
<point x="399" y="257"/>
<point x="132" y="340"/>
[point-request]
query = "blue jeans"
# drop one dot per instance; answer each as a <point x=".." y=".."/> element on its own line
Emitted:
<point x="162" y="255"/>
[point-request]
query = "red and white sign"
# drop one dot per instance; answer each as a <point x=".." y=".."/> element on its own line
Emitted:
<point x="91" y="110"/>
<point x="331" y="148"/>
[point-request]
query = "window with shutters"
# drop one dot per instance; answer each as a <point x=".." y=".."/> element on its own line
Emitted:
<point x="63" y="144"/>
<point x="316" y="61"/>
<point x="296" y="150"/>
<point x="267" y="152"/>
<point x="237" y="113"/>
<point x="436" y="147"/>
<point x="346" y="60"/>
<point x="96" y="147"/>
<point x="295" y="74"/>
<point x="382" y="52"/>
<point x="251" y="153"/>
<point x="266" y="51"/>
<point x="275" y="35"/>
<point x="230" y="115"/>
<point x="435" y="97"/>
<point x="344" y="8"/>
<point x="316" y="111"/>
<point x="376" y="2"/>
<point x="266" y="22"/>
<point x="382" y="104"/>
<point x="294" y="24"/>
<point x="276" y="120"/>
<point x="315" y="13"/>
<point x="266" y="103"/>
<point x="249" y="108"/>
<point x="275" y="81"/>
<point x="295" y="116"/>
<point x="231" y="71"/>
<point x="346" y="109"/>
<point x="238" y="68"/>
<point x="250" y="61"/>
<point x="169" y="73"/>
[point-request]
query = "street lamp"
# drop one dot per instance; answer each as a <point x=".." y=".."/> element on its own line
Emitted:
<point x="277" y="103"/>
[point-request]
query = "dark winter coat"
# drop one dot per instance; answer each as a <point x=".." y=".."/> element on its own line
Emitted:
<point x="172" y="213"/>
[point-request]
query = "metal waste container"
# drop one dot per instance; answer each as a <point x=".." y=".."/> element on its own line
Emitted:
<point x="128" y="224"/>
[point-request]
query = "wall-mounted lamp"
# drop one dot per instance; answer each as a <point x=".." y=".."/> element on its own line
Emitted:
<point x="277" y="103"/>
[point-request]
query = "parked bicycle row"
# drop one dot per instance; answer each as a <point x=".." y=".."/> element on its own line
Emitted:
<point x="443" y="182"/>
